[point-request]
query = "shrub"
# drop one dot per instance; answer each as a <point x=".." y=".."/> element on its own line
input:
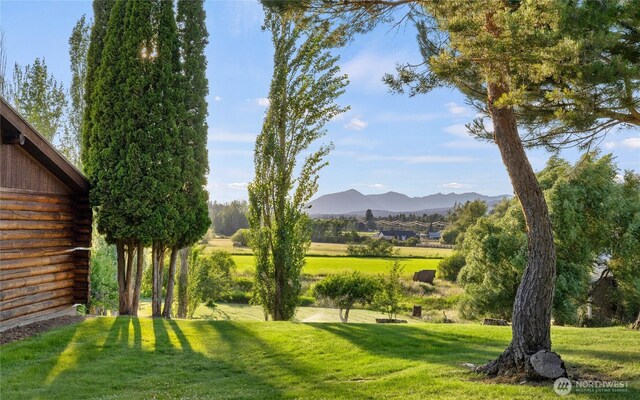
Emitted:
<point x="104" y="283"/>
<point x="210" y="279"/>
<point x="450" y="267"/>
<point x="372" y="248"/>
<point x="412" y="241"/>
<point x="345" y="290"/>
<point x="306" y="301"/>
<point x="388" y="298"/>
<point x="241" y="236"/>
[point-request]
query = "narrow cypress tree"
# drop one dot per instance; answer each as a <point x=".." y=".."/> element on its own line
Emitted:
<point x="192" y="201"/>
<point x="101" y="13"/>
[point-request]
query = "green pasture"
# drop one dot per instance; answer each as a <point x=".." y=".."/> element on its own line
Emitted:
<point x="336" y="265"/>
<point x="144" y="358"/>
<point x="331" y="249"/>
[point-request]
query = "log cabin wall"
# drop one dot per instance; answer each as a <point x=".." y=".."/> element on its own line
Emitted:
<point x="45" y="228"/>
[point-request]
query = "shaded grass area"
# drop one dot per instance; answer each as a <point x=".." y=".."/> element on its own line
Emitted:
<point x="330" y="249"/>
<point x="135" y="358"/>
<point x="335" y="265"/>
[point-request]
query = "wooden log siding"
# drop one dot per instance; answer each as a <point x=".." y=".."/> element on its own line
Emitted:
<point x="45" y="226"/>
<point x="43" y="253"/>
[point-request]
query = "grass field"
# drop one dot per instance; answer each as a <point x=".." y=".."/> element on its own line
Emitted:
<point x="334" y="265"/>
<point x="332" y="249"/>
<point x="131" y="358"/>
<point x="244" y="312"/>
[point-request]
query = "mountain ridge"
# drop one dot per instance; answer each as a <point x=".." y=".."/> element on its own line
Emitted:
<point x="352" y="202"/>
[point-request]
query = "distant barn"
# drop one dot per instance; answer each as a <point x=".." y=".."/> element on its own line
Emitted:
<point x="45" y="227"/>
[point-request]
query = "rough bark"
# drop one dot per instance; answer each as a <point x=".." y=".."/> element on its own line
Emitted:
<point x="158" y="265"/>
<point x="531" y="322"/>
<point x="636" y="325"/>
<point x="122" y="298"/>
<point x="183" y="282"/>
<point x="345" y="318"/>
<point x="168" y="299"/>
<point x="128" y="290"/>
<point x="135" y="303"/>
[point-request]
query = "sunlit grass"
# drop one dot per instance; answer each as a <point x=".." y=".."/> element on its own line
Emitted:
<point x="257" y="360"/>
<point x="331" y="249"/>
<point x="334" y="265"/>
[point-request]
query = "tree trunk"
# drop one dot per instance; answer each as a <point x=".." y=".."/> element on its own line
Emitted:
<point x="636" y="325"/>
<point x="183" y="283"/>
<point x="123" y="308"/>
<point x="168" y="299"/>
<point x="131" y="250"/>
<point x="531" y="321"/>
<point x="158" y="265"/>
<point x="344" y="318"/>
<point x="135" y="304"/>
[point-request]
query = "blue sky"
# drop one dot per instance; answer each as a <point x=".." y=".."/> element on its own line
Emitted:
<point x="386" y="142"/>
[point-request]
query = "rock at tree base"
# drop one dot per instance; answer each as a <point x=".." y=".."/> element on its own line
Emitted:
<point x="390" y="321"/>
<point x="493" y="321"/>
<point x="548" y="364"/>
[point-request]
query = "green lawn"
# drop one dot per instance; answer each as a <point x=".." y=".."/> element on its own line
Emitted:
<point x="334" y="265"/>
<point x="130" y="358"/>
<point x="332" y="249"/>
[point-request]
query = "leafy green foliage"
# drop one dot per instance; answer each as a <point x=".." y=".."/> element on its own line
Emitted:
<point x="372" y="248"/>
<point x="304" y="86"/>
<point x="104" y="288"/>
<point x="344" y="290"/>
<point x="241" y="236"/>
<point x="388" y="298"/>
<point x="70" y="142"/>
<point x="449" y="267"/>
<point x="229" y="217"/>
<point x="212" y="278"/>
<point x="38" y="97"/>
<point x="592" y="215"/>
<point x="461" y="217"/>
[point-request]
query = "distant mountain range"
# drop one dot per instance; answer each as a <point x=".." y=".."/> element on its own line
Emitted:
<point x="352" y="202"/>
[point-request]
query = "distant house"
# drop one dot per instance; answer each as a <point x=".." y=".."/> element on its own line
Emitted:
<point x="398" y="235"/>
<point x="434" y="235"/>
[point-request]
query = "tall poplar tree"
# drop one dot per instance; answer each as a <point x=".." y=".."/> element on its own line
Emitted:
<point x="304" y="86"/>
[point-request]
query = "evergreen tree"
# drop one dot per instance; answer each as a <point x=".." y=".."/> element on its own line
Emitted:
<point x="303" y="89"/>
<point x="101" y="14"/>
<point x="192" y="199"/>
<point x="38" y="97"/>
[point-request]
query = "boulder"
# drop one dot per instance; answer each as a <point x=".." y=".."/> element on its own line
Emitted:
<point x="548" y="364"/>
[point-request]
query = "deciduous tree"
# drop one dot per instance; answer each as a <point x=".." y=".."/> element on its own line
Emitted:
<point x="305" y="84"/>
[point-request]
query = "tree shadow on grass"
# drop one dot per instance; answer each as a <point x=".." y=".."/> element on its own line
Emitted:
<point x="412" y="343"/>
<point x="134" y="358"/>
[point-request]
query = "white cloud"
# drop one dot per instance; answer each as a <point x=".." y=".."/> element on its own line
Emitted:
<point x="378" y="186"/>
<point x="609" y="145"/>
<point x="456" y="185"/>
<point x="217" y="98"/>
<point x="456" y="109"/>
<point x="356" y="124"/>
<point x="631" y="143"/>
<point x="263" y="102"/>
<point x="366" y="69"/>
<point x="237" y="185"/>
<point x="459" y="130"/>
<point x="218" y="135"/>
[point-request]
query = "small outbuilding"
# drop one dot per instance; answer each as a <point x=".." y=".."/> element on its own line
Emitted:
<point x="45" y="227"/>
